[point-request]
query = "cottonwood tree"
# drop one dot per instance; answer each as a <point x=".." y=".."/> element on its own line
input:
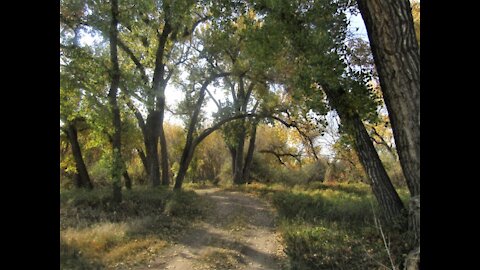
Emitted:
<point x="391" y="31"/>
<point x="153" y="35"/>
<point x="314" y="34"/>
<point x="100" y="19"/>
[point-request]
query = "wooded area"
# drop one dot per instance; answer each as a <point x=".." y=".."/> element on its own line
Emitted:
<point x="276" y="99"/>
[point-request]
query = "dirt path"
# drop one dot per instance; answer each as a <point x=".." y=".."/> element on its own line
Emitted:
<point x="238" y="233"/>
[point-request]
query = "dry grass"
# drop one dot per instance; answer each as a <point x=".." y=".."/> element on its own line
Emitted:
<point x="331" y="225"/>
<point x="96" y="234"/>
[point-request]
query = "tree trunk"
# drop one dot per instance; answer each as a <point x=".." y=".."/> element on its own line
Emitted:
<point x="190" y="143"/>
<point x="164" y="158"/>
<point x="128" y="180"/>
<point x="151" y="145"/>
<point x="83" y="177"/>
<point x="233" y="154"/>
<point x="241" y="107"/>
<point x="112" y="98"/>
<point x="77" y="180"/>
<point x="143" y="158"/>
<point x="251" y="148"/>
<point x="239" y="159"/>
<point x="184" y="163"/>
<point x="386" y="195"/>
<point x="159" y="85"/>
<point x="153" y="163"/>
<point x="392" y="206"/>
<point x="396" y="54"/>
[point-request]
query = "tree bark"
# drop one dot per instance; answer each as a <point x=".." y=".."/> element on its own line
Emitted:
<point x="151" y="144"/>
<point x="164" y="158"/>
<point x="112" y="98"/>
<point x="158" y="87"/>
<point x="83" y="180"/>
<point x="392" y="206"/>
<point x="233" y="154"/>
<point x="239" y="157"/>
<point x="385" y="193"/>
<point x="241" y="107"/>
<point x="251" y="148"/>
<point x="128" y="180"/>
<point x="143" y="158"/>
<point x="396" y="53"/>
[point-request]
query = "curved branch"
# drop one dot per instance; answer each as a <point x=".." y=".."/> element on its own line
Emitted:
<point x="135" y="60"/>
<point x="279" y="155"/>
<point x="305" y="136"/>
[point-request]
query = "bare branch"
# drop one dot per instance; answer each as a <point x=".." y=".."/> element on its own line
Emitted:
<point x="382" y="141"/>
<point x="304" y="135"/>
<point x="214" y="100"/>
<point x="279" y="155"/>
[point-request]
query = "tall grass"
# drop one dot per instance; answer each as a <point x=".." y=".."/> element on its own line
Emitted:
<point x="96" y="234"/>
<point x="331" y="226"/>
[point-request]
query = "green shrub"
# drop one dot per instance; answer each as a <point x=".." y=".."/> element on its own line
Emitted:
<point x="183" y="203"/>
<point x="330" y="247"/>
<point x="330" y="226"/>
<point x="327" y="205"/>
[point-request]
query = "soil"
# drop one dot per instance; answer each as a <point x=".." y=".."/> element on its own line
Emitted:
<point x="237" y="233"/>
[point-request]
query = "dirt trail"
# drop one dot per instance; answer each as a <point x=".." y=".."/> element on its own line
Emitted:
<point x="238" y="233"/>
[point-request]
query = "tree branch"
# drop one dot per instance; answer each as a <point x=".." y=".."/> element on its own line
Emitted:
<point x="305" y="136"/>
<point x="136" y="112"/>
<point x="279" y="155"/>
<point x="214" y="100"/>
<point x="135" y="60"/>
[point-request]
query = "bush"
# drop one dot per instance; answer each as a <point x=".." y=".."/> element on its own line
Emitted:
<point x="182" y="203"/>
<point x="330" y="247"/>
<point x="328" y="205"/>
<point x="98" y="234"/>
<point x="330" y="226"/>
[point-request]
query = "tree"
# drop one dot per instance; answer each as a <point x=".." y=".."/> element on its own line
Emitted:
<point x="72" y="111"/>
<point x="81" y="176"/>
<point x="396" y="52"/>
<point x="232" y="41"/>
<point x="168" y="24"/>
<point x="112" y="99"/>
<point x="315" y="36"/>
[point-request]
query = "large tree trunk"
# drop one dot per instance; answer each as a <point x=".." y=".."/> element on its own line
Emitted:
<point x="83" y="180"/>
<point x="185" y="160"/>
<point x="251" y="148"/>
<point x="112" y="98"/>
<point x="396" y="54"/>
<point x="241" y="107"/>
<point x="385" y="193"/>
<point x="239" y="157"/>
<point x="151" y="147"/>
<point x="159" y="85"/>
<point x="164" y="158"/>
<point x="233" y="154"/>
<point x="392" y="206"/>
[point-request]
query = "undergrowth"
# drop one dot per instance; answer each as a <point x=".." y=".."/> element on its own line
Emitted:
<point x="97" y="234"/>
<point x="331" y="226"/>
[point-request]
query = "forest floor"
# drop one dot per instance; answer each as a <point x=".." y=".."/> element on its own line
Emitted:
<point x="238" y="232"/>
